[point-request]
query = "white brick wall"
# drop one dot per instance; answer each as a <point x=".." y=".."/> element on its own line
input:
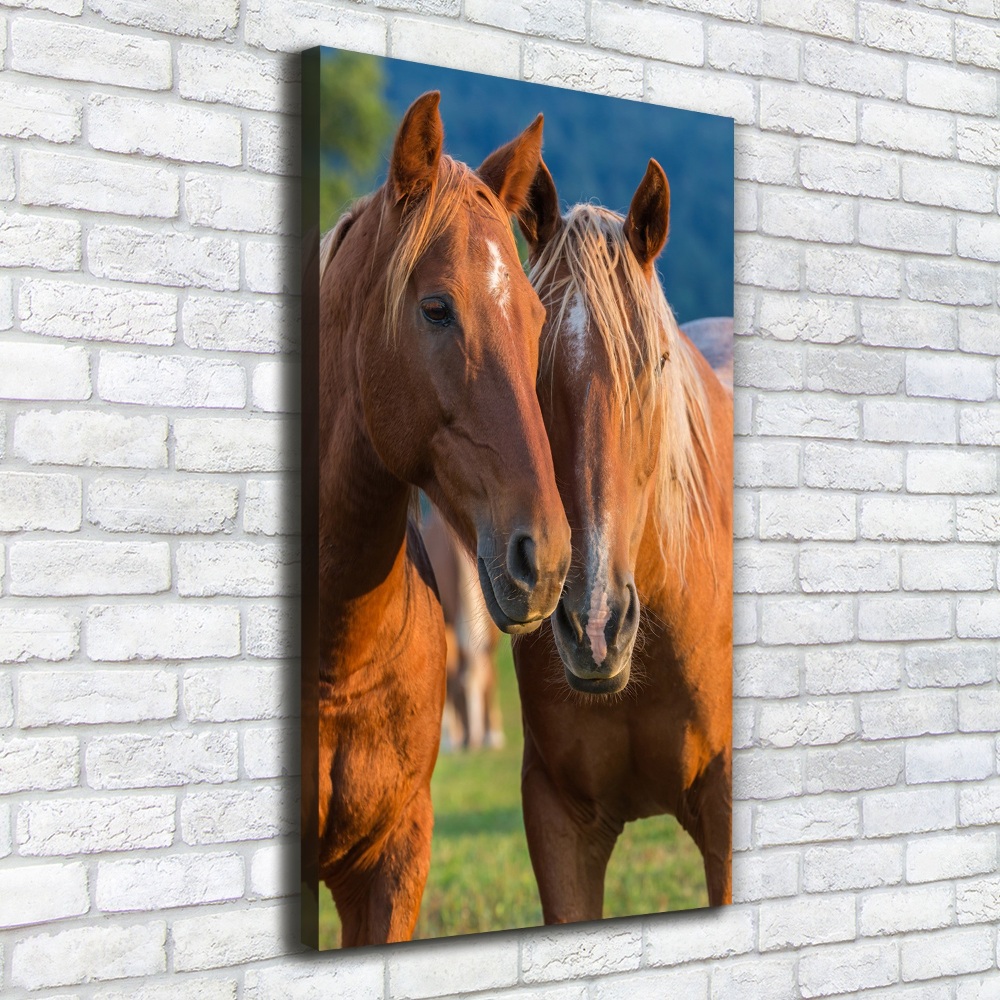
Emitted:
<point x="149" y="514"/>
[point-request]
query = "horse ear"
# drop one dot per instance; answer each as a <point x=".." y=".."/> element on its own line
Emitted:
<point x="510" y="170"/>
<point x="416" y="152"/>
<point x="648" y="218"/>
<point x="540" y="219"/>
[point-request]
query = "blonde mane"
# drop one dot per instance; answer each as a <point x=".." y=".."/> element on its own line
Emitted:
<point x="629" y="313"/>
<point x="424" y="220"/>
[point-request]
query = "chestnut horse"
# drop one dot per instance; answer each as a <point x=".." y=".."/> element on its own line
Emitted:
<point x="429" y="336"/>
<point x="472" y="716"/>
<point x="629" y="712"/>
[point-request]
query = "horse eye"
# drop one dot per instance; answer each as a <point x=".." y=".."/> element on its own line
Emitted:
<point x="436" y="311"/>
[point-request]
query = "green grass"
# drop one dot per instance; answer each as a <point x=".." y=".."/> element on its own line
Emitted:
<point x="481" y="878"/>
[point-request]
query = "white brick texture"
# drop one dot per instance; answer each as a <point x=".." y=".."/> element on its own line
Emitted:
<point x="149" y="496"/>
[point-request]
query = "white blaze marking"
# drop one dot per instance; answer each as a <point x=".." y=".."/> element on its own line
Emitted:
<point x="576" y="324"/>
<point x="600" y="612"/>
<point x="498" y="281"/>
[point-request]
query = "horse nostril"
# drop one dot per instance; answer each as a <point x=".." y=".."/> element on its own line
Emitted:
<point x="623" y="620"/>
<point x="521" y="561"/>
<point x="569" y="622"/>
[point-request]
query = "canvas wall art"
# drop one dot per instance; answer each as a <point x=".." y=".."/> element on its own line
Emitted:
<point x="517" y="432"/>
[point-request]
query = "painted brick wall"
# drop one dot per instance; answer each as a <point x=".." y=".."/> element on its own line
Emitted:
<point x="147" y="501"/>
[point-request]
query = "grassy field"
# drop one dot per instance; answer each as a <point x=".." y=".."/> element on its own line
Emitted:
<point x="481" y="878"/>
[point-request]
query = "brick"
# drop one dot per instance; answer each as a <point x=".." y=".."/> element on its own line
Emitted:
<point x="949" y="758"/>
<point x="978" y="902"/>
<point x="759" y="673"/>
<point x="97" y="312"/>
<point x="734" y="10"/>
<point x="952" y="665"/>
<point x="78" y="437"/>
<point x="979" y="804"/>
<point x="797" y="621"/>
<point x="950" y="472"/>
<point x="853" y="767"/>
<point x="847" y="969"/>
<point x="697" y="936"/>
<point x="169" y="631"/>
<point x="921" y="423"/>
<point x="271" y="507"/>
<point x="92" y="185"/>
<point x="848" y="467"/>
<point x="38" y="763"/>
<point x="180" y="987"/>
<point x="6" y="720"/>
<point x="44" y="371"/>
<point x="982" y="987"/>
<point x="948" y="185"/>
<point x="753" y="51"/>
<point x="54" y="827"/>
<point x="897" y="30"/>
<point x="272" y="632"/>
<point x="163" y="882"/>
<point x="173" y="131"/>
<point x="765" y="263"/>
<point x="37" y="894"/>
<point x="950" y="952"/>
<point x="897" y="325"/>
<point x="765" y="875"/>
<point x="845" y="170"/>
<point x="353" y="974"/>
<point x="566" y="21"/>
<point x="890" y="519"/>
<point x="977" y="519"/>
<point x="897" y="911"/>
<point x="202" y="18"/>
<point x="36" y="633"/>
<point x="823" y="321"/>
<point x="852" y="271"/>
<point x="271" y="753"/>
<point x="555" y="954"/>
<point x="926" y="713"/>
<point x="804" y="515"/>
<point x="978" y="617"/>
<point x="690" y="984"/>
<point x="177" y="758"/>
<point x="835" y="19"/>
<point x="894" y="619"/>
<point x="795" y="923"/>
<point x="852" y="68"/>
<point x="816" y="218"/>
<point x="171" y="381"/>
<point x="766" y="463"/>
<point x="767" y="364"/>
<point x="218" y="444"/>
<point x="759" y="569"/>
<point x="848" y="569"/>
<point x="977" y="331"/>
<point x="218" y="323"/>
<point x="853" y="370"/>
<point x="237" y="78"/>
<point x="810" y="723"/>
<point x="977" y="44"/>
<point x="165" y="505"/>
<point x="27" y="111"/>
<point x="89" y="954"/>
<point x="39" y="241"/>
<point x="980" y="425"/>
<point x="950" y="281"/>
<point x="744" y="622"/>
<point x="690" y="88"/>
<point x="31" y="500"/>
<point x="243" y="204"/>
<point x="72" y="697"/>
<point x="977" y="710"/>
<point x="766" y="775"/>
<point x="126" y="253"/>
<point x="71" y="52"/>
<point x="272" y="268"/>
<point x="907" y="229"/>
<point x="461" y="47"/>
<point x="71" y="7"/>
<point x="766" y="158"/>
<point x="976" y="141"/>
<point x="271" y="147"/>
<point x="807" y="111"/>
<point x="934" y="86"/>
<point x="978" y="239"/>
<point x="912" y="810"/>
<point x="272" y="25"/>
<point x="807" y="819"/>
<point x="228" y="815"/>
<point x="66" y="568"/>
<point x="757" y="977"/>
<point x="242" y="569"/>
<point x="580" y="70"/>
<point x="860" y="668"/>
<point x="275" y="387"/>
<point x="227" y="694"/>
<point x="270" y="876"/>
<point x="893" y="126"/>
<point x="648" y="32"/>
<point x="808" y="416"/>
<point x="965" y="568"/>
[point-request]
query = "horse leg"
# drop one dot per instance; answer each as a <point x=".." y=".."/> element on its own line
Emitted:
<point x="494" y="720"/>
<point x="708" y="816"/>
<point x="386" y="909"/>
<point x="475" y="699"/>
<point x="569" y="849"/>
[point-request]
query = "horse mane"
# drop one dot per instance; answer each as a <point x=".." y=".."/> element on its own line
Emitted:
<point x="630" y="314"/>
<point x="424" y="220"/>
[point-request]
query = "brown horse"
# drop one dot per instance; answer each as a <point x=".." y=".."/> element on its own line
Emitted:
<point x="429" y="343"/>
<point x="472" y="716"/>
<point x="629" y="712"/>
